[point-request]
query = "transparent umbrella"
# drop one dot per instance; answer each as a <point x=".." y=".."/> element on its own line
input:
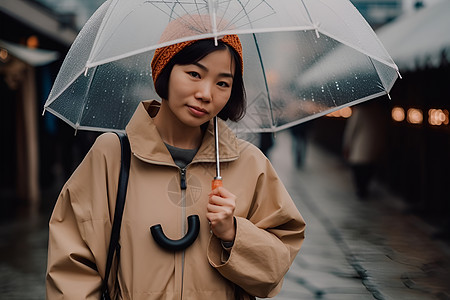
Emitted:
<point x="302" y="58"/>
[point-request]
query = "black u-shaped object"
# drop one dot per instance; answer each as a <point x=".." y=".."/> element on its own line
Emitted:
<point x="181" y="244"/>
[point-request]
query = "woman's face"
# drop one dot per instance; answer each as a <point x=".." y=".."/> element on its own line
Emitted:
<point x="198" y="92"/>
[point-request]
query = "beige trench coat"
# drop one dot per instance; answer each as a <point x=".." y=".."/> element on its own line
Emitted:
<point x="270" y="230"/>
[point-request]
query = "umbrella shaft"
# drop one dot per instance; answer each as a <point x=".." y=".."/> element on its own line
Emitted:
<point x="216" y="144"/>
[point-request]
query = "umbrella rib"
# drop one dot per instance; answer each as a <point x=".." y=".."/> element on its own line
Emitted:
<point x="198" y="9"/>
<point x="258" y="5"/>
<point x="201" y="19"/>
<point x="172" y="10"/>
<point x="250" y="22"/>
<point x="78" y="123"/>
<point x="232" y="21"/>
<point x="191" y="17"/>
<point x="148" y="1"/>
<point x="165" y="2"/>
<point x="262" y="66"/>
<point x="269" y="101"/>
<point x="153" y="3"/>
<point x="378" y="75"/>
<point x="222" y="18"/>
<point x="247" y="13"/>
<point x="362" y="50"/>
<point x="187" y="13"/>
<point x="109" y="38"/>
<point x="307" y="12"/>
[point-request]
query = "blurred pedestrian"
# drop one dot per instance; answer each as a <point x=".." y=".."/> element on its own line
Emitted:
<point x="250" y="228"/>
<point x="364" y="143"/>
<point x="299" y="143"/>
<point x="266" y="142"/>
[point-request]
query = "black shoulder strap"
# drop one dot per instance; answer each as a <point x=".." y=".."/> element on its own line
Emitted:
<point x="120" y="204"/>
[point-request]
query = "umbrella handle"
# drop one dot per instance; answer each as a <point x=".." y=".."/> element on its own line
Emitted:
<point x="176" y="245"/>
<point x="216" y="183"/>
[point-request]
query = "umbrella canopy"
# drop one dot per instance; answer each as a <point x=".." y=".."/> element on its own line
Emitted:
<point x="107" y="70"/>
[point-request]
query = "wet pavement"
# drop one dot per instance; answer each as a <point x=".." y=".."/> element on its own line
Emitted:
<point x="23" y="257"/>
<point x="354" y="249"/>
<point x="371" y="249"/>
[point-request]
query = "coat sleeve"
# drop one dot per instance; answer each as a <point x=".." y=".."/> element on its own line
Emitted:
<point x="266" y="242"/>
<point x="80" y="226"/>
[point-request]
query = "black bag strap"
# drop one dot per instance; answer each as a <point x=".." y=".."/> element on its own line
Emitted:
<point x="120" y="204"/>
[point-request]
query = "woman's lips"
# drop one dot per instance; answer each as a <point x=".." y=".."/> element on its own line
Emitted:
<point x="197" y="111"/>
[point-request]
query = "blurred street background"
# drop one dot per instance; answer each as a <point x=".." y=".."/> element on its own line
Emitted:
<point x="378" y="222"/>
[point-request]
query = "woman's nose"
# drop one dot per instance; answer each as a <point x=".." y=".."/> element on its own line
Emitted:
<point x="204" y="92"/>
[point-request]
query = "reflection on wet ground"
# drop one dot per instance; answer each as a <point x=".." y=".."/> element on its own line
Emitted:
<point x="23" y="256"/>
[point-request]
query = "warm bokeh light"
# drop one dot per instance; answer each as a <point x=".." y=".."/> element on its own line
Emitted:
<point x="414" y="116"/>
<point x="398" y="114"/>
<point x="33" y="42"/>
<point x="3" y="54"/>
<point x="438" y="117"/>
<point x="345" y="112"/>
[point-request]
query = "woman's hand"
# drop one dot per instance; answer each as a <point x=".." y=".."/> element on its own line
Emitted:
<point x="220" y="213"/>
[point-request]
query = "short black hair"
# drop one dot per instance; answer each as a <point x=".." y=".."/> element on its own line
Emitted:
<point x="234" y="110"/>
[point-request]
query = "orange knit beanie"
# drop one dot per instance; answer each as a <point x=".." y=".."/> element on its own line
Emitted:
<point x="177" y="29"/>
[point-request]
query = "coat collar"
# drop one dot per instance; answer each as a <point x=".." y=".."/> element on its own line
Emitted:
<point x="146" y="143"/>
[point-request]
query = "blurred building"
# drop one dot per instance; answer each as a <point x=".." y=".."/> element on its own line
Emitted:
<point x="417" y="162"/>
<point x="378" y="12"/>
<point x="80" y="10"/>
<point x="33" y="42"/>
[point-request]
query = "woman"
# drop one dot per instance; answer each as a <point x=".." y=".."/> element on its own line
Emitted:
<point x="250" y="229"/>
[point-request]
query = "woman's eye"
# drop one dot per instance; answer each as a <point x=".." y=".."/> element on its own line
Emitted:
<point x="194" y="74"/>
<point x="223" y="84"/>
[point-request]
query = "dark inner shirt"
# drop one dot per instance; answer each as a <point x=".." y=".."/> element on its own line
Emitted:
<point x="181" y="157"/>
